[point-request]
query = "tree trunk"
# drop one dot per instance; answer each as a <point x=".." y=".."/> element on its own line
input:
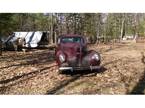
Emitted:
<point x="51" y="29"/>
<point x="98" y="27"/>
<point x="122" y="28"/>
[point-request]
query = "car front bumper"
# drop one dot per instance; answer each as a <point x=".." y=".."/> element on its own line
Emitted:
<point x="79" y="68"/>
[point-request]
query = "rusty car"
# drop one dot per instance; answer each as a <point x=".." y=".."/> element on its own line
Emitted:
<point x="72" y="53"/>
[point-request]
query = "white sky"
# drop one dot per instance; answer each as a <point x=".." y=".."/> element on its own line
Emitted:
<point x="80" y="6"/>
<point x="72" y="6"/>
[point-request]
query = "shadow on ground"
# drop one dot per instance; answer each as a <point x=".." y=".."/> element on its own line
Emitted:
<point x="74" y="76"/>
<point x="86" y="73"/>
<point x="20" y="78"/>
<point x="37" y="59"/>
<point x="140" y="86"/>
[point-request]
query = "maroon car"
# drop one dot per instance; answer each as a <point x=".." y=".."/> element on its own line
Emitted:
<point x="72" y="54"/>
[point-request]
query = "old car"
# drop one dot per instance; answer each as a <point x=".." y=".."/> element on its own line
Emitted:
<point x="72" y="54"/>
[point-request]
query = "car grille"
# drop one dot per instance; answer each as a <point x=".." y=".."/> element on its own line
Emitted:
<point x="75" y="62"/>
<point x="85" y="61"/>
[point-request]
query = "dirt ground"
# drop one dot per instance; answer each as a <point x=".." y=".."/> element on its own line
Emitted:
<point x="35" y="72"/>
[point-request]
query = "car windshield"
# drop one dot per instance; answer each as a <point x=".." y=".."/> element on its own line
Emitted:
<point x="71" y="39"/>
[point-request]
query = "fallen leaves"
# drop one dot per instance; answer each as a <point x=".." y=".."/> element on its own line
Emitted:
<point x="35" y="72"/>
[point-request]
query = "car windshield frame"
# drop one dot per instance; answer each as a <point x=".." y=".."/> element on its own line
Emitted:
<point x="72" y="40"/>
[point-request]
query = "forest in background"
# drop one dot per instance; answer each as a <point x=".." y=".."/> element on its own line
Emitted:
<point x="35" y="71"/>
<point x="94" y="25"/>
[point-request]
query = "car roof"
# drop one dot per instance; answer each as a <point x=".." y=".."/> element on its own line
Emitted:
<point x="70" y="35"/>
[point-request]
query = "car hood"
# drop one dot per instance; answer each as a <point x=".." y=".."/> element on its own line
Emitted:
<point x="71" y="49"/>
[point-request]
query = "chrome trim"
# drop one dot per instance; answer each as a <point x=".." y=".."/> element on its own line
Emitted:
<point x="95" y="67"/>
<point x="80" y="68"/>
<point x="66" y="68"/>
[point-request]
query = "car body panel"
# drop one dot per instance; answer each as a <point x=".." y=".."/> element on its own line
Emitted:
<point x="73" y="55"/>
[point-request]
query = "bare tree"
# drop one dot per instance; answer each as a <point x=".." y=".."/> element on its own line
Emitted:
<point x="123" y="27"/>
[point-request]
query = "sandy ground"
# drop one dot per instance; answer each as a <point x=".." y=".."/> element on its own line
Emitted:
<point x="35" y="72"/>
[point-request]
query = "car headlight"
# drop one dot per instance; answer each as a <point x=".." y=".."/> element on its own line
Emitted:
<point x="96" y="57"/>
<point x="62" y="57"/>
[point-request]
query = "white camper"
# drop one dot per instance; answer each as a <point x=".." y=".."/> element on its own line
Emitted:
<point x="32" y="39"/>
